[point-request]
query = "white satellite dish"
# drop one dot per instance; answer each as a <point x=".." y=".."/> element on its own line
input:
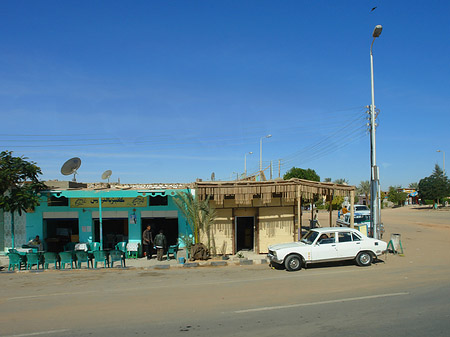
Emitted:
<point x="70" y="167"/>
<point x="106" y="175"/>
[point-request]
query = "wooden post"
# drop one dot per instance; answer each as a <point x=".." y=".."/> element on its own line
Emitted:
<point x="331" y="207"/>
<point x="352" y="208"/>
<point x="312" y="211"/>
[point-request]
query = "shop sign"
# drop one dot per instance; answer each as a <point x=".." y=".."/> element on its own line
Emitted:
<point x="108" y="202"/>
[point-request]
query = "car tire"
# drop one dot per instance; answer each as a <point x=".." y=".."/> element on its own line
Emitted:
<point x="293" y="263"/>
<point x="364" y="259"/>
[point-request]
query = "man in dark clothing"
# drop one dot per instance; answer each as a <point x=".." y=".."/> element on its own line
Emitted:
<point x="161" y="244"/>
<point x="147" y="241"/>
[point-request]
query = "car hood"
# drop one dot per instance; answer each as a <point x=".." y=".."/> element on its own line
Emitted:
<point x="286" y="245"/>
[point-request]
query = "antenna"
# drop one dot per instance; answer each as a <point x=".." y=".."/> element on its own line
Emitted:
<point x="71" y="166"/>
<point x="106" y="175"/>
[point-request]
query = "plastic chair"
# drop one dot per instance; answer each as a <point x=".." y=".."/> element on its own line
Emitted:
<point x="66" y="257"/>
<point x="82" y="256"/>
<point x="50" y="257"/>
<point x="14" y="260"/>
<point x="133" y="250"/>
<point x="33" y="259"/>
<point x="101" y="256"/>
<point x="94" y="246"/>
<point x="173" y="249"/>
<point x="122" y="246"/>
<point x="115" y="256"/>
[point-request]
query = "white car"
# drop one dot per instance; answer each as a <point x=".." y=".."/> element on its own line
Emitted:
<point x="325" y="245"/>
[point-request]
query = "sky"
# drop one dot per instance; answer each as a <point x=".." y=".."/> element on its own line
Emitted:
<point x="171" y="91"/>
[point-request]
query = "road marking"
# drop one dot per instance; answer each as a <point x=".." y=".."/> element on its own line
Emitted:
<point x="319" y="303"/>
<point x="39" y="333"/>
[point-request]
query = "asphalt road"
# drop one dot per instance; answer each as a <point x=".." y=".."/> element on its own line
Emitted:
<point x="403" y="296"/>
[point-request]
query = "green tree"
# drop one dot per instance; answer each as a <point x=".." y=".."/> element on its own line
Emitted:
<point x="295" y="172"/>
<point x="395" y="196"/>
<point x="341" y="181"/>
<point x="414" y="186"/>
<point x="364" y="188"/>
<point x="19" y="185"/>
<point x="434" y="187"/>
<point x="198" y="213"/>
<point x="327" y="180"/>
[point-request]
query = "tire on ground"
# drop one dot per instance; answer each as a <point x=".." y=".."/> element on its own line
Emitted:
<point x="293" y="263"/>
<point x="364" y="259"/>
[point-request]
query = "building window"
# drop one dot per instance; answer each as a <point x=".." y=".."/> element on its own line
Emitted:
<point x="54" y="201"/>
<point x="158" y="200"/>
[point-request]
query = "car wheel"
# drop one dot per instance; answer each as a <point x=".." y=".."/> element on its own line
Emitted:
<point x="364" y="259"/>
<point x="293" y="263"/>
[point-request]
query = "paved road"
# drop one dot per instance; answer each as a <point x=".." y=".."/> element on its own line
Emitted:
<point x="404" y="296"/>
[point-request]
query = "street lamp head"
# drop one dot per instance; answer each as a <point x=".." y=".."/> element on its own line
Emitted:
<point x="377" y="31"/>
<point x="438" y="150"/>
<point x="268" y="136"/>
<point x="250" y="152"/>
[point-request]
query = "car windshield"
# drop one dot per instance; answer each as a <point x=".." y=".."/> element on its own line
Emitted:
<point x="361" y="208"/>
<point x="309" y="237"/>
<point x="362" y="218"/>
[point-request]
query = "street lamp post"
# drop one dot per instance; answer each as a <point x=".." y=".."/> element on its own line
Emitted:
<point x="245" y="163"/>
<point x="443" y="152"/>
<point x="260" y="151"/>
<point x="374" y="181"/>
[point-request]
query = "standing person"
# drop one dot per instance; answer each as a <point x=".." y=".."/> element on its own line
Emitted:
<point x="147" y="241"/>
<point x="160" y="243"/>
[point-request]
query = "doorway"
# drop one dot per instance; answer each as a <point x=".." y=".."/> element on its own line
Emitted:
<point x="245" y="233"/>
<point x="114" y="231"/>
<point x="168" y="225"/>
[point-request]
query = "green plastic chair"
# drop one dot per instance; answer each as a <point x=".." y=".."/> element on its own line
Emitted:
<point x="122" y="246"/>
<point x="66" y="257"/>
<point x="101" y="256"/>
<point x="173" y="249"/>
<point x="33" y="259"/>
<point x="50" y="257"/>
<point x="94" y="246"/>
<point x="115" y="256"/>
<point x="82" y="257"/>
<point x="14" y="260"/>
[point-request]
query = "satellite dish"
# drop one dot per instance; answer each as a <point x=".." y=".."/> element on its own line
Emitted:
<point x="70" y="167"/>
<point x="106" y="175"/>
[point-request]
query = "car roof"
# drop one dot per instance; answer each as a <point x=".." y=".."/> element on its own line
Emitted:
<point x="333" y="229"/>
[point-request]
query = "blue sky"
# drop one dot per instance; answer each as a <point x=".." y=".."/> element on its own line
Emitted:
<point x="171" y="91"/>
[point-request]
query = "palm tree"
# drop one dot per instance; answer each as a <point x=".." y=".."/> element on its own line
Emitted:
<point x="364" y="188"/>
<point x="198" y="213"/>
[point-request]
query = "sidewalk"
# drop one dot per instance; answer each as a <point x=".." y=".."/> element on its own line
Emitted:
<point x="249" y="258"/>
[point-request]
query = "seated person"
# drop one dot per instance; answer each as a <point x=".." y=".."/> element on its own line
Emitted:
<point x="36" y="242"/>
<point x="324" y="238"/>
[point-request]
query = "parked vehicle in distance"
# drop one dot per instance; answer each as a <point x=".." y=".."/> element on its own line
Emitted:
<point x="359" y="218"/>
<point x="325" y="245"/>
<point x="361" y="209"/>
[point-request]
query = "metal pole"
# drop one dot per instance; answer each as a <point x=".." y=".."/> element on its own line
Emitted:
<point x="260" y="154"/>
<point x="374" y="181"/>
<point x="100" y="221"/>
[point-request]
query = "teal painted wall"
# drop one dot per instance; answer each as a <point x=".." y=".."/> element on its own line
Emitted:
<point x="35" y="222"/>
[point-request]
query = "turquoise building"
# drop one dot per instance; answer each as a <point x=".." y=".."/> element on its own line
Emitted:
<point x="106" y="215"/>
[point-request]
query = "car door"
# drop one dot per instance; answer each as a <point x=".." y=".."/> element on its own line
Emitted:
<point x="348" y="245"/>
<point x="324" y="249"/>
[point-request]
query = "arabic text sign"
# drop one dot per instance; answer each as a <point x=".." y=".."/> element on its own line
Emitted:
<point x="108" y="202"/>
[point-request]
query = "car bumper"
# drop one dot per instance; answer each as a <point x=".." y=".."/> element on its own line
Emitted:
<point x="273" y="258"/>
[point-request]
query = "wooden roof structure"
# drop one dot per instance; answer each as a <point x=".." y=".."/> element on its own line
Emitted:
<point x="290" y="190"/>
